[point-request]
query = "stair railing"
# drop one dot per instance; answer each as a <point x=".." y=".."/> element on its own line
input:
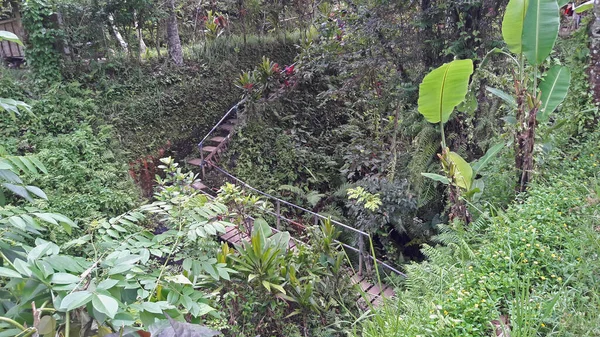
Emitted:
<point x="362" y="235"/>
<point x="233" y="109"/>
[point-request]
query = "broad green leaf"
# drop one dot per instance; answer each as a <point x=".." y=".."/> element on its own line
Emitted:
<point x="10" y="37"/>
<point x="436" y="177"/>
<point x="75" y="300"/>
<point x="37" y="191"/>
<point x="562" y="3"/>
<point x="512" y="25"/>
<point x="19" y="190"/>
<point x="278" y="287"/>
<point x="487" y="157"/>
<point x="463" y="175"/>
<point x="5" y="272"/>
<point x="508" y="99"/>
<point x="105" y="304"/>
<point x="47" y="326"/>
<point x="443" y="89"/>
<point x="584" y="7"/>
<point x="107" y="284"/>
<point x="554" y="88"/>
<point x="540" y="30"/>
<point x="280" y="241"/>
<point x="64" y="278"/>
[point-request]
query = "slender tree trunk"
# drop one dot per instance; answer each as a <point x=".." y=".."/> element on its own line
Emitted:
<point x="116" y="33"/>
<point x="141" y="44"/>
<point x="173" y="41"/>
<point x="595" y="53"/>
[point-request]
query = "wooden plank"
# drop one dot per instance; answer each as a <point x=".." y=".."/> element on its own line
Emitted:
<point x="374" y="290"/>
<point x="389" y="292"/>
<point x="195" y="161"/>
<point x="227" y="236"/>
<point x="356" y="278"/>
<point x="209" y="149"/>
<point x="364" y="285"/>
<point x="226" y="127"/>
<point x="217" y="139"/>
<point x="236" y="239"/>
<point x="198" y="185"/>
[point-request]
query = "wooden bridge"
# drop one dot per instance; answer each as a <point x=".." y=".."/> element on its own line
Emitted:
<point x="213" y="146"/>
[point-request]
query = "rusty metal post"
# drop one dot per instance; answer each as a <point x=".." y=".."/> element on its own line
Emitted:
<point x="361" y="248"/>
<point x="316" y="220"/>
<point x="202" y="160"/>
<point x="278" y="225"/>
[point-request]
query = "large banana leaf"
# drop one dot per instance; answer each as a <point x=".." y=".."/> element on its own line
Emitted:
<point x="512" y="25"/>
<point x="554" y="89"/>
<point x="540" y="30"/>
<point x="463" y="173"/>
<point x="443" y="89"/>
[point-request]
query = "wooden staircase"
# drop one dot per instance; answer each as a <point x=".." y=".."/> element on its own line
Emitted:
<point x="213" y="145"/>
<point x="216" y="145"/>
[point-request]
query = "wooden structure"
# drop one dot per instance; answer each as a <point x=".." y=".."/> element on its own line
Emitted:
<point x="372" y="293"/>
<point x="11" y="50"/>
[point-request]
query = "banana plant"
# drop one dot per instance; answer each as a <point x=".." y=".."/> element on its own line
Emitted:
<point x="439" y="93"/>
<point x="530" y="29"/>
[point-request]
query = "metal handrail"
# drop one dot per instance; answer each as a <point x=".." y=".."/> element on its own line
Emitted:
<point x="279" y="201"/>
<point x="289" y="203"/>
<point x="279" y="216"/>
<point x="235" y="107"/>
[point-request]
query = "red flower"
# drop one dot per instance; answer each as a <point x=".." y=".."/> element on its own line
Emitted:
<point x="276" y="68"/>
<point x="289" y="70"/>
<point x="248" y="86"/>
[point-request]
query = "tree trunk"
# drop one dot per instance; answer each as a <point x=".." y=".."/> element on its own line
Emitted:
<point x="595" y="53"/>
<point x="117" y="34"/>
<point x="173" y="41"/>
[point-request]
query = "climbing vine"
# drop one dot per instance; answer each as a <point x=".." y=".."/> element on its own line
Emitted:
<point x="41" y="42"/>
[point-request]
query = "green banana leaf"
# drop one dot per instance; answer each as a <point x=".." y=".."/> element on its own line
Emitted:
<point x="463" y="175"/>
<point x="443" y="89"/>
<point x="540" y="30"/>
<point x="554" y="89"/>
<point x="512" y="25"/>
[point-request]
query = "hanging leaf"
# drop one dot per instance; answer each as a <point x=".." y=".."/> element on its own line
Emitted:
<point x="487" y="157"/>
<point x="512" y="25"/>
<point x="554" y="89"/>
<point x="443" y="89"/>
<point x="508" y="99"/>
<point x="540" y="30"/>
<point x="5" y="272"/>
<point x="75" y="300"/>
<point x="463" y="173"/>
<point x="437" y="177"/>
<point x="10" y="37"/>
<point x="105" y="304"/>
<point x="584" y="6"/>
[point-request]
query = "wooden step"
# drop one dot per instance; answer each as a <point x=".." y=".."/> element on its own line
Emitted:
<point x="218" y="139"/>
<point x="195" y="161"/>
<point x="209" y="149"/>
<point x="199" y="186"/>
<point x="226" y="127"/>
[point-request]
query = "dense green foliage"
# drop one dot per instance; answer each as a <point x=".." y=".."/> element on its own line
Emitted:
<point x="411" y="122"/>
